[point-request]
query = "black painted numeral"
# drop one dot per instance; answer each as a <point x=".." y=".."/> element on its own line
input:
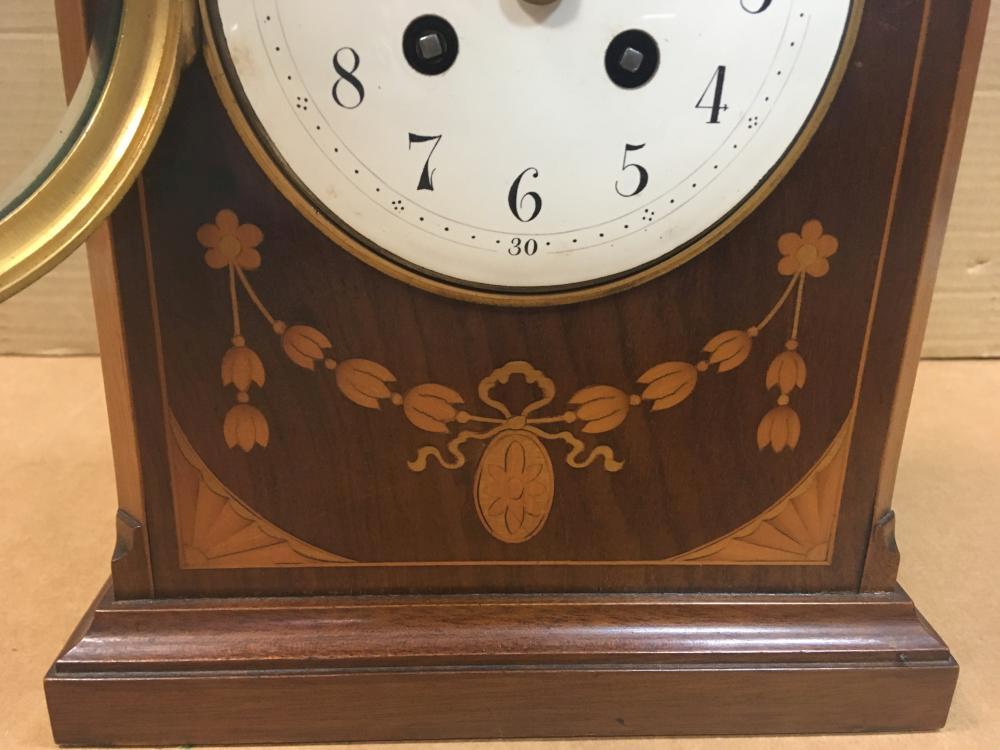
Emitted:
<point x="639" y="169"/>
<point x="523" y="247"/>
<point x="714" y="92"/>
<point x="347" y="76"/>
<point x="517" y="203"/>
<point x="427" y="175"/>
<point x="761" y="5"/>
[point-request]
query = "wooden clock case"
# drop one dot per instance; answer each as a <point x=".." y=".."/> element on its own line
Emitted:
<point x="309" y="556"/>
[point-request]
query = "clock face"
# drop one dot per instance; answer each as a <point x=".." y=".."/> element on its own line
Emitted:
<point x="524" y="147"/>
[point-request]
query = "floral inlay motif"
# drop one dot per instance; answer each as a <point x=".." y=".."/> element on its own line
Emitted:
<point x="514" y="485"/>
<point x="807" y="252"/>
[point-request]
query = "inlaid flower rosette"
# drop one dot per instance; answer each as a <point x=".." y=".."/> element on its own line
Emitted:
<point x="514" y="450"/>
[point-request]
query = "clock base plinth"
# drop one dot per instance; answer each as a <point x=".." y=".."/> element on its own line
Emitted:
<point x="217" y="671"/>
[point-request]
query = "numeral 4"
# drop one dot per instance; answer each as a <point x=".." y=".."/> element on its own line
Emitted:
<point x="714" y="92"/>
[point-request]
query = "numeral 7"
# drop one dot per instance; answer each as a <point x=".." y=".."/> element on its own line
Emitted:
<point x="427" y="175"/>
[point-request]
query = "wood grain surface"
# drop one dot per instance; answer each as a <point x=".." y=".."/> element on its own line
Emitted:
<point x="56" y="317"/>
<point x="334" y="467"/>
<point x="204" y="671"/>
<point x="56" y="478"/>
<point x="165" y="346"/>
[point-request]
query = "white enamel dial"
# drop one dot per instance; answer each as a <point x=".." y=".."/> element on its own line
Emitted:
<point x="564" y="144"/>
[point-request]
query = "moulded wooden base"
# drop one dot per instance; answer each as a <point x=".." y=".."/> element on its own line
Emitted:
<point x="406" y="668"/>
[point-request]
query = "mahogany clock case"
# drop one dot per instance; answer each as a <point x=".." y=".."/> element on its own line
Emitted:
<point x="350" y="494"/>
<point x="328" y="477"/>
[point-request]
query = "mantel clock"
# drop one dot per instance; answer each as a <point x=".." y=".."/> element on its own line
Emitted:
<point x="502" y="369"/>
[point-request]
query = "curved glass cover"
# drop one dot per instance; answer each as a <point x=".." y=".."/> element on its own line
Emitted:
<point x="41" y="125"/>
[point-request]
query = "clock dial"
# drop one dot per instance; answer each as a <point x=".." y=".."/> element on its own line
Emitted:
<point x="528" y="148"/>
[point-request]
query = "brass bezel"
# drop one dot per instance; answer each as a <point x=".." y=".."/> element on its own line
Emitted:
<point x="287" y="185"/>
<point x="155" y="38"/>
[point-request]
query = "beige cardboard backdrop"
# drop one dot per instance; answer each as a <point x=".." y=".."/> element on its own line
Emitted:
<point x="55" y="316"/>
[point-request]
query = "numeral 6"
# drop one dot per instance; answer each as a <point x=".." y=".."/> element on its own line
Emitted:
<point x="516" y="204"/>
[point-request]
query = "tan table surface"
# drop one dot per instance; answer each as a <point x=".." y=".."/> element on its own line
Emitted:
<point x="56" y="533"/>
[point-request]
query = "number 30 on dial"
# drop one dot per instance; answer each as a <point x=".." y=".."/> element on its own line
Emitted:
<point x="523" y="148"/>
